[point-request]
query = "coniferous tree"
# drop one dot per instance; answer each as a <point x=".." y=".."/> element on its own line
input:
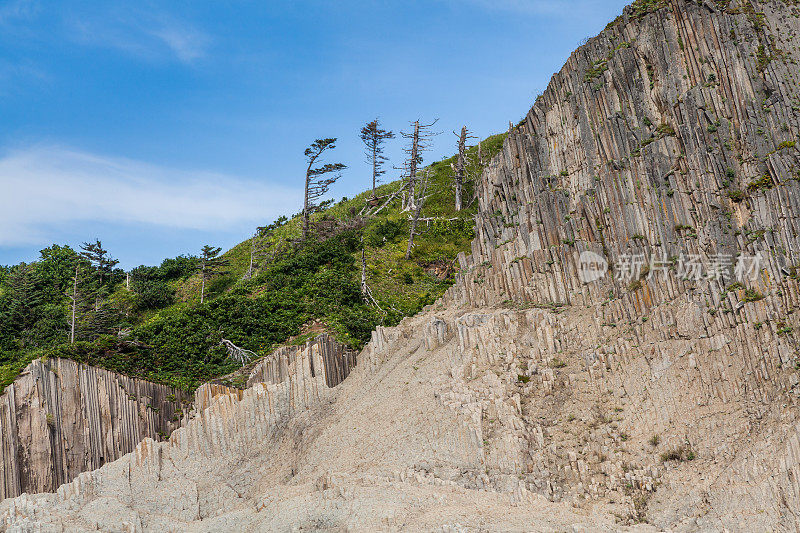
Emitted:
<point x="373" y="138"/>
<point x="318" y="179"/>
<point x="22" y="300"/>
<point x="211" y="264"/>
<point x="99" y="259"/>
<point x="94" y="277"/>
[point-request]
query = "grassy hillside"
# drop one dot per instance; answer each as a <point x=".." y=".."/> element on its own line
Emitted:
<point x="158" y="329"/>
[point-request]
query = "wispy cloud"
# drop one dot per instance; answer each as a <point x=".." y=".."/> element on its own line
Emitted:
<point x="144" y="34"/>
<point x="188" y="44"/>
<point x="43" y="188"/>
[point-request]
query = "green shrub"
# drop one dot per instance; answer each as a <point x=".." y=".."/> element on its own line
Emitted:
<point x="736" y="195"/>
<point x="384" y="230"/>
<point x="762" y="183"/>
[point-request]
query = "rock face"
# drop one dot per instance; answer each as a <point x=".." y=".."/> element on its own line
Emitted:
<point x="61" y="418"/>
<point x="325" y="358"/>
<point x="335" y="362"/>
<point x="530" y="397"/>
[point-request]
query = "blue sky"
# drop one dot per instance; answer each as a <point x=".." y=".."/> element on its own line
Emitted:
<point x="158" y="127"/>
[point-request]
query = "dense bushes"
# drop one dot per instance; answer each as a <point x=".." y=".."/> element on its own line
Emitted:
<point x="181" y="345"/>
<point x="158" y="330"/>
<point x="152" y="284"/>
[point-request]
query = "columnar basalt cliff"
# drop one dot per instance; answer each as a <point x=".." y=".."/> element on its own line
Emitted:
<point x="530" y="397"/>
<point x="334" y="364"/>
<point x="325" y="358"/>
<point x="61" y="418"/>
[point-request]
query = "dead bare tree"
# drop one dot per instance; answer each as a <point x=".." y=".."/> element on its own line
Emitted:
<point x="318" y="179"/>
<point x="249" y="273"/>
<point x="373" y="138"/>
<point x="370" y="210"/>
<point x="420" y="138"/>
<point x="366" y="292"/>
<point x="418" y="202"/>
<point x="460" y="167"/>
<point x="240" y="355"/>
<point x="74" y="298"/>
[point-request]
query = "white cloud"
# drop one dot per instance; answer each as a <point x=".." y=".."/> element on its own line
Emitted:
<point x="42" y="188"/>
<point x="144" y="34"/>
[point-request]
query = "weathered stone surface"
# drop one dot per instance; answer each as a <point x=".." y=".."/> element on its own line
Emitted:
<point x="527" y="399"/>
<point x="335" y="362"/>
<point x="61" y="418"/>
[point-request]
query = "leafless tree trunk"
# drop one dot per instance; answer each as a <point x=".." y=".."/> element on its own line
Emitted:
<point x="203" y="283"/>
<point x="420" y="141"/>
<point x="460" y="164"/>
<point x="249" y="273"/>
<point x="419" y="201"/>
<point x="412" y="164"/>
<point x="238" y="354"/>
<point x="74" y="304"/>
<point x="366" y="292"/>
<point x="369" y="213"/>
<point x="363" y="270"/>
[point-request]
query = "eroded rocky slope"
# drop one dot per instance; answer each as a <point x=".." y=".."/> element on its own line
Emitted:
<point x="527" y="398"/>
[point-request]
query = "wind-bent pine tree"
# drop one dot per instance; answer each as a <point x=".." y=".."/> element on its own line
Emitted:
<point x="318" y="179"/>
<point x="98" y="257"/>
<point x="211" y="264"/>
<point x="373" y="138"/>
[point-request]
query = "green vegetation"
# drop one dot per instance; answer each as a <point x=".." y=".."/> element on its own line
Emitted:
<point x="763" y="183"/>
<point x="643" y="7"/>
<point x="752" y="295"/>
<point x="153" y="325"/>
<point x="596" y="70"/>
<point x="736" y="195"/>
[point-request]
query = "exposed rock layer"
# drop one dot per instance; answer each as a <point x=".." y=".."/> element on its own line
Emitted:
<point x="61" y="418"/>
<point x="526" y="399"/>
<point x="335" y="362"/>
